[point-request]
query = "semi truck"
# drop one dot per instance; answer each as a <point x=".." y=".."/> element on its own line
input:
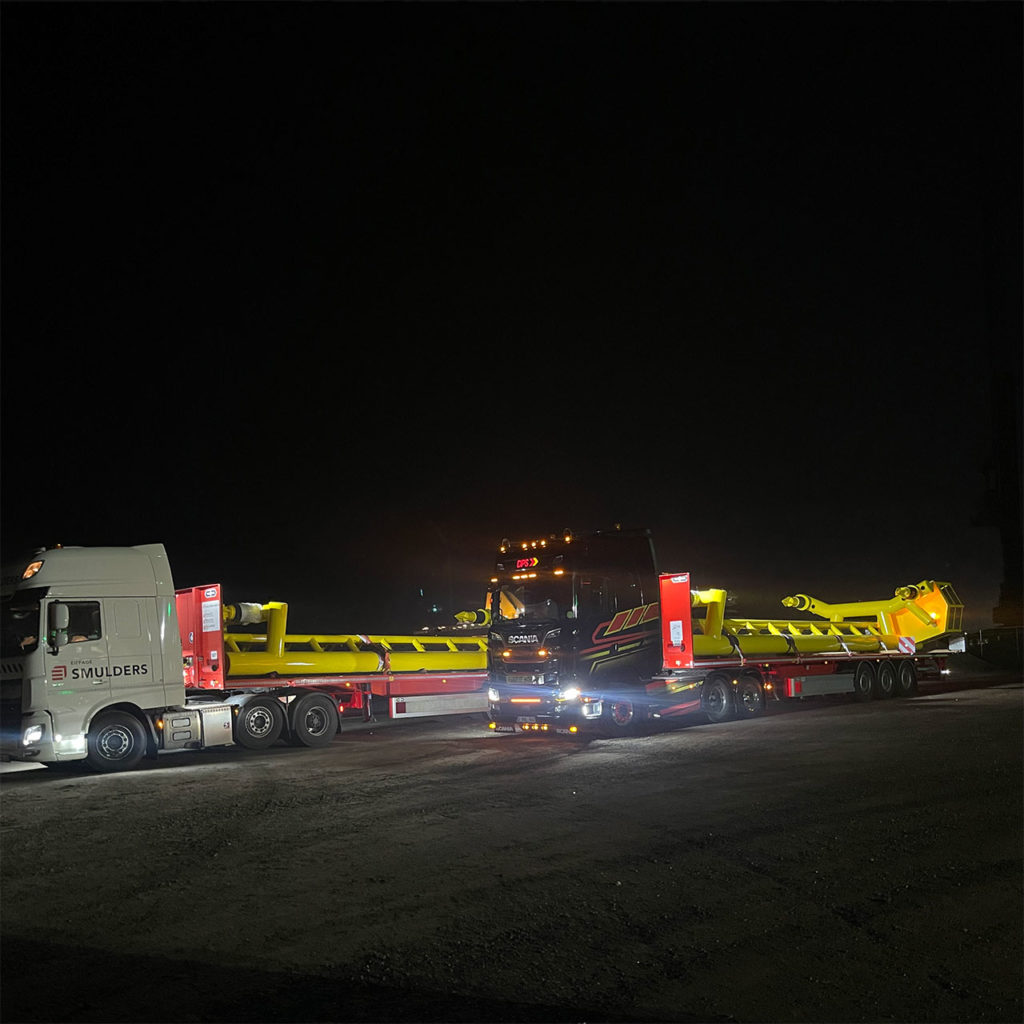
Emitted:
<point x="586" y="635"/>
<point x="105" y="662"/>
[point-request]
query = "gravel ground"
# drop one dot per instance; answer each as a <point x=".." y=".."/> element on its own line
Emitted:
<point x="834" y="861"/>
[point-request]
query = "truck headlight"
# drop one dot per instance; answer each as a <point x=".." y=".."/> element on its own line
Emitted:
<point x="492" y="695"/>
<point x="569" y="693"/>
<point x="33" y="734"/>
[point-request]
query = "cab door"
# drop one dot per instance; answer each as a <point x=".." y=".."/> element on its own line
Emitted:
<point x="78" y="666"/>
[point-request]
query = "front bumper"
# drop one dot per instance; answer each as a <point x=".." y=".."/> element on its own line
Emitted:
<point x="31" y="738"/>
<point x="531" y="714"/>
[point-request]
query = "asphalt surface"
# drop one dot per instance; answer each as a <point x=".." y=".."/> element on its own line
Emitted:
<point x="833" y="861"/>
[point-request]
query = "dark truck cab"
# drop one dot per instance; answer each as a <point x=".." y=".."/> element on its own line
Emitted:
<point x="574" y="632"/>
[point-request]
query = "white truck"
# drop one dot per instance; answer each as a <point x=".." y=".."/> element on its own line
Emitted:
<point x="103" y="661"/>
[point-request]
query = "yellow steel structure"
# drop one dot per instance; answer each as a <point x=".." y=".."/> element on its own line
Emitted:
<point x="917" y="612"/>
<point x="278" y="652"/>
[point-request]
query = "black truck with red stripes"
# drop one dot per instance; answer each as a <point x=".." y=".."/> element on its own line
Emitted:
<point x="586" y="636"/>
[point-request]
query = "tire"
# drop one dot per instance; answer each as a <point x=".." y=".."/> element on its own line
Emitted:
<point x="864" y="681"/>
<point x="906" y="679"/>
<point x="116" y="742"/>
<point x="885" y="680"/>
<point x="259" y="723"/>
<point x="749" y="697"/>
<point x="620" y="717"/>
<point x="314" y="721"/>
<point x="717" y="699"/>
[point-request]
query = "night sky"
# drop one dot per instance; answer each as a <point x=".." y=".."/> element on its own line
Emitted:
<point x="329" y="298"/>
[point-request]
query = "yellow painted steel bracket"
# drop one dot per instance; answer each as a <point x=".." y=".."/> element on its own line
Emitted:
<point x="919" y="610"/>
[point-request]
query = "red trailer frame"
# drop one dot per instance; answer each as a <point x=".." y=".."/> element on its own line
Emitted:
<point x="204" y="665"/>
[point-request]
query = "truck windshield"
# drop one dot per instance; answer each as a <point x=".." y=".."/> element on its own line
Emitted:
<point x="19" y="619"/>
<point x="532" y="600"/>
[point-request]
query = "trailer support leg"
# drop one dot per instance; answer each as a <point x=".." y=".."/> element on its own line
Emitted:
<point x="367" y="691"/>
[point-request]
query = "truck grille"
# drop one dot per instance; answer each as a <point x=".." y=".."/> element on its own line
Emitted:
<point x="524" y="679"/>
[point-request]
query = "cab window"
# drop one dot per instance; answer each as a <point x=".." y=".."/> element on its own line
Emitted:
<point x="83" y="621"/>
<point x="19" y="615"/>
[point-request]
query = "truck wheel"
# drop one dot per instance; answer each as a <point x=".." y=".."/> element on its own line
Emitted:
<point x="115" y="743"/>
<point x="620" y="716"/>
<point x="717" y="699"/>
<point x="258" y="723"/>
<point x="314" y="721"/>
<point x="864" y="681"/>
<point x="906" y="680"/>
<point x="885" y="680"/>
<point x="749" y="697"/>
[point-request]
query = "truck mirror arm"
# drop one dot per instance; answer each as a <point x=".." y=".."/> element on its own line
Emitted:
<point x="57" y="639"/>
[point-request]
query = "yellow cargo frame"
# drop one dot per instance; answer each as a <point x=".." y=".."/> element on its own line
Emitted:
<point x="278" y="652"/>
<point x="918" y="612"/>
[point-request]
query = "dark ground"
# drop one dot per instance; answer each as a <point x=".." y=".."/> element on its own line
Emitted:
<point x="833" y="862"/>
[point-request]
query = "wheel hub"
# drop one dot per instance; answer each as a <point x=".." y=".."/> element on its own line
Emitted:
<point x="115" y="743"/>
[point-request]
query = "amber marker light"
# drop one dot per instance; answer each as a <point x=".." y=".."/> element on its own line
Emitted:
<point x="31" y="569"/>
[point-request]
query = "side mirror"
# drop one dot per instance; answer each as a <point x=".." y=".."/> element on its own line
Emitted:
<point x="57" y="621"/>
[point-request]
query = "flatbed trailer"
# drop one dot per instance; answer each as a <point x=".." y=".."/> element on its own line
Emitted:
<point x="587" y="637"/>
<point x="428" y="694"/>
<point x="413" y="675"/>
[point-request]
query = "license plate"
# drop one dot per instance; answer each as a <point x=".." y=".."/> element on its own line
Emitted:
<point x="525" y="720"/>
<point x="520" y="679"/>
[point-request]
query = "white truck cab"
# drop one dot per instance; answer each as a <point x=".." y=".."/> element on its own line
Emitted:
<point x="90" y="636"/>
